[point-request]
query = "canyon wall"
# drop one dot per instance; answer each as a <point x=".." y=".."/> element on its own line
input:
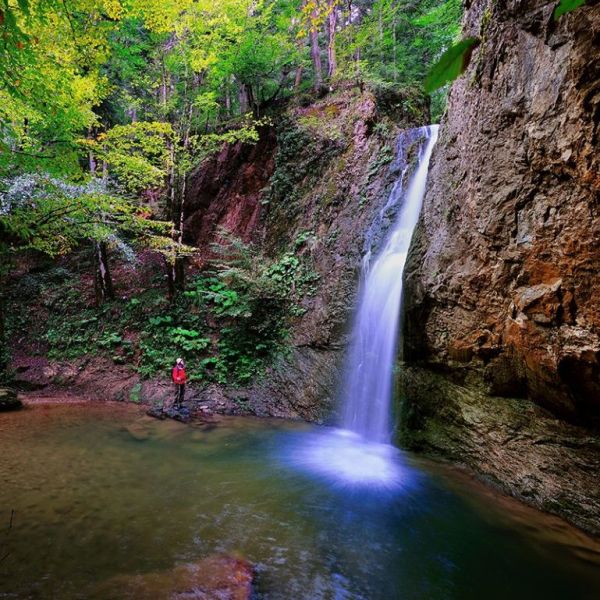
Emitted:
<point x="319" y="173"/>
<point x="502" y="319"/>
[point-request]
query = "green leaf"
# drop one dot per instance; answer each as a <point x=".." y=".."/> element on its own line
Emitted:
<point x="451" y="64"/>
<point x="565" y="6"/>
<point x="24" y="6"/>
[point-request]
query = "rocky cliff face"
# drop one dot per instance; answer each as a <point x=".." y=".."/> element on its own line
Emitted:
<point x="310" y="187"/>
<point x="502" y="321"/>
<point x="320" y="173"/>
<point x="225" y="191"/>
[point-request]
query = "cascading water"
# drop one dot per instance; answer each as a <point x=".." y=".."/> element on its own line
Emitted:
<point x="360" y="452"/>
<point x="369" y="372"/>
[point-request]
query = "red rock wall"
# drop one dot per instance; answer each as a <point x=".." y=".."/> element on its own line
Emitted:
<point x="505" y="269"/>
<point x="225" y="191"/>
<point x="503" y="281"/>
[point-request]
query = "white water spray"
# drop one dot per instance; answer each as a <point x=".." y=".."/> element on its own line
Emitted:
<point x="368" y="385"/>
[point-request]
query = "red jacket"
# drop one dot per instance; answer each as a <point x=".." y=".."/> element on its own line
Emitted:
<point x="178" y="376"/>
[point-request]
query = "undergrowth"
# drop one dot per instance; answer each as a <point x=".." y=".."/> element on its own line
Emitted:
<point x="229" y="324"/>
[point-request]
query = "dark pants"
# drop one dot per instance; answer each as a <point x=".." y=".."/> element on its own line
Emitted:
<point x="179" y="394"/>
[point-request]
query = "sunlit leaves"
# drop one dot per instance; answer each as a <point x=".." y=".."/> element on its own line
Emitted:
<point x="53" y="216"/>
<point x="451" y="64"/>
<point x="137" y="155"/>
<point x="50" y="81"/>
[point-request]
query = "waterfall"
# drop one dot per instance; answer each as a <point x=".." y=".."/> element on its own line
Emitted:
<point x="359" y="453"/>
<point x="368" y="382"/>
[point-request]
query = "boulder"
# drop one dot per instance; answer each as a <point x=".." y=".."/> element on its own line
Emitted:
<point x="216" y="577"/>
<point x="9" y="400"/>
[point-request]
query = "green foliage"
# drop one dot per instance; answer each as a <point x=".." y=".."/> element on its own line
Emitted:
<point x="451" y="64"/>
<point x="566" y="6"/>
<point x="107" y="105"/>
<point x="163" y="338"/>
<point x="137" y="154"/>
<point x="397" y="41"/>
<point x="54" y="216"/>
<point x="76" y="72"/>
<point x="135" y="393"/>
<point x="50" y="81"/>
<point x="228" y="325"/>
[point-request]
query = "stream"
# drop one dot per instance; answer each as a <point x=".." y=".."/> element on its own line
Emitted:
<point x="100" y="490"/>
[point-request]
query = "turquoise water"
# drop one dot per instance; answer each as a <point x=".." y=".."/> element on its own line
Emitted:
<point x="101" y="491"/>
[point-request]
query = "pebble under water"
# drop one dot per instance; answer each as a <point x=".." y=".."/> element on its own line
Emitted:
<point x="101" y="490"/>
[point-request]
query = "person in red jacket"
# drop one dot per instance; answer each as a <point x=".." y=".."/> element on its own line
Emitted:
<point x="179" y="381"/>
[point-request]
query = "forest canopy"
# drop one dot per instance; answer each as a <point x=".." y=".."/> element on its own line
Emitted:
<point x="74" y="70"/>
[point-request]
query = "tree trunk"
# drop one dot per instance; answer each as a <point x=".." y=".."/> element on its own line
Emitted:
<point x="164" y="88"/>
<point x="298" y="78"/>
<point x="175" y="276"/>
<point x="243" y="98"/>
<point x="395" y="44"/>
<point x="170" y="268"/>
<point x="104" y="286"/>
<point x="251" y="99"/>
<point x="315" y="52"/>
<point x="227" y="102"/>
<point x="331" y="59"/>
<point x="179" y="270"/>
<point x="92" y="163"/>
<point x="104" y="169"/>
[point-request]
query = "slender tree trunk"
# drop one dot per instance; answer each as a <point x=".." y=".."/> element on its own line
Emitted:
<point x="104" y="286"/>
<point x="164" y="93"/>
<point x="395" y="45"/>
<point x="332" y="22"/>
<point x="243" y="98"/>
<point x="315" y="52"/>
<point x="104" y="168"/>
<point x="179" y="264"/>
<point x="251" y="99"/>
<point x="380" y="19"/>
<point x="170" y="268"/>
<point x="91" y="158"/>
<point x="298" y="78"/>
<point x="359" y="79"/>
<point x="175" y="268"/>
<point x="92" y="163"/>
<point x="228" y="102"/>
<point x="172" y="182"/>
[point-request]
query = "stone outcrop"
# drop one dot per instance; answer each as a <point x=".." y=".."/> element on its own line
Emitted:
<point x="9" y="400"/>
<point x="313" y="185"/>
<point x="225" y="191"/>
<point x="323" y="172"/>
<point x="502" y="320"/>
